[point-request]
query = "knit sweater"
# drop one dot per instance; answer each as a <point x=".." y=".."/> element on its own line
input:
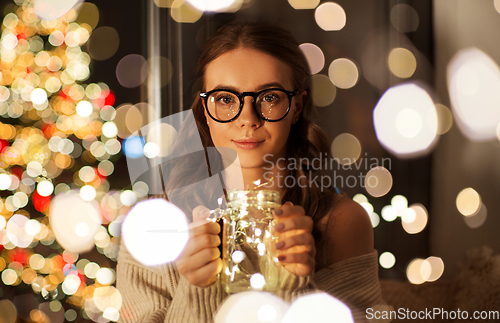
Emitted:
<point x="161" y="294"/>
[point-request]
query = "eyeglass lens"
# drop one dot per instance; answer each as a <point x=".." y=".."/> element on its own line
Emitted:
<point x="272" y="104"/>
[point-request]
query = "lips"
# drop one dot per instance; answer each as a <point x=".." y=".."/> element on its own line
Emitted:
<point x="247" y="143"/>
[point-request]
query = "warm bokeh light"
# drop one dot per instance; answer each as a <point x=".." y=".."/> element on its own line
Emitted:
<point x="437" y="268"/>
<point x="343" y="73"/>
<point x="74" y="221"/>
<point x="330" y="16"/>
<point x="420" y="218"/>
<point x="211" y="5"/>
<point x="445" y="118"/>
<point x="161" y="138"/>
<point x="251" y="306"/>
<point x="345" y="149"/>
<point x="149" y="226"/>
<point x="103" y="43"/>
<point x="402" y="62"/>
<point x="405" y="120"/>
<point x="314" y="55"/>
<point x="474" y="88"/>
<point x="404" y="18"/>
<point x="303" y="4"/>
<point x="468" y="201"/>
<point x="318" y="307"/>
<point x="477" y="219"/>
<point x="378" y="181"/>
<point x="374" y="219"/>
<point x="413" y="271"/>
<point x="387" y="260"/>
<point x="183" y="11"/>
<point x="53" y="9"/>
<point x="389" y="213"/>
<point x="323" y="90"/>
<point x="130" y="70"/>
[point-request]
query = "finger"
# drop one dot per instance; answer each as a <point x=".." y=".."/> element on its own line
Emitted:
<point x="305" y="240"/>
<point x="287" y="210"/>
<point x="303" y="258"/>
<point x="205" y="228"/>
<point x="198" y="243"/>
<point x="203" y="258"/>
<point x="209" y="270"/>
<point x="296" y="223"/>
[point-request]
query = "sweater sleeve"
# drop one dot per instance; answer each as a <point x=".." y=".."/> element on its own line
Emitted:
<point x="146" y="292"/>
<point x="354" y="281"/>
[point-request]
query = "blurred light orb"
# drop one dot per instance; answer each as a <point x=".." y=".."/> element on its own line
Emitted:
<point x="163" y="135"/>
<point x="378" y="181"/>
<point x="399" y="202"/>
<point x="45" y="188"/>
<point x="105" y="276"/>
<point x="251" y="307"/>
<point x="182" y="11"/>
<point x="413" y="272"/>
<point x="330" y="16"/>
<point x="343" y="73"/>
<point x="474" y="87"/>
<point x="16" y="231"/>
<point x="53" y="9"/>
<point x="445" y="119"/>
<point x="111" y="314"/>
<point x="303" y="4"/>
<point x="133" y="147"/>
<point x="129" y="71"/>
<point x="404" y="18"/>
<point x="128" y="198"/>
<point x="71" y="284"/>
<point x="211" y="5"/>
<point x="150" y="226"/>
<point x="399" y="120"/>
<point x="38" y="96"/>
<point x="318" y="308"/>
<point x="74" y="221"/>
<point x="87" y="173"/>
<point x="5" y="181"/>
<point x="84" y="108"/>
<point x="477" y="219"/>
<point x="88" y="193"/>
<point x="314" y="56"/>
<point x="238" y="256"/>
<point x="387" y="260"/>
<point x="106" y="297"/>
<point x="437" y="268"/>
<point x="360" y="198"/>
<point x="468" y="201"/>
<point x="346" y="149"/>
<point x="257" y="281"/>
<point x="151" y="150"/>
<point x="389" y="213"/>
<point x="420" y="218"/>
<point x="367" y="206"/>
<point x="402" y="62"/>
<point x="109" y="129"/>
<point x="496" y="3"/>
<point x="374" y="219"/>
<point x="103" y="43"/>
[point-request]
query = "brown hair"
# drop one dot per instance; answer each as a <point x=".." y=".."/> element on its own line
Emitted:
<point x="307" y="143"/>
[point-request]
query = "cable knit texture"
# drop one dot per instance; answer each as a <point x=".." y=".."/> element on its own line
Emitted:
<point x="160" y="294"/>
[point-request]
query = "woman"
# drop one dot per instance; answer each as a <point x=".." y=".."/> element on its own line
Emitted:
<point x="258" y="75"/>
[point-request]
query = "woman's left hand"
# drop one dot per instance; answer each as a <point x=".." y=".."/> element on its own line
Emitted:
<point x="295" y="246"/>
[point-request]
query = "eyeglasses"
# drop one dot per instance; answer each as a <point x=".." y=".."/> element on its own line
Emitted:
<point x="270" y="104"/>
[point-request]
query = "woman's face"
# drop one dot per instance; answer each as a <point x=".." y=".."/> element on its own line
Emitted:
<point x="249" y="70"/>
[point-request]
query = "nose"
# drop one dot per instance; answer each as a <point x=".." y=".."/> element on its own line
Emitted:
<point x="248" y="116"/>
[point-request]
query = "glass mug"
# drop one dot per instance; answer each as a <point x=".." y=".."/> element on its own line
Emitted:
<point x="247" y="250"/>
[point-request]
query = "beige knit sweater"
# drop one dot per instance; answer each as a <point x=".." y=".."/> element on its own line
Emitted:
<point x="161" y="294"/>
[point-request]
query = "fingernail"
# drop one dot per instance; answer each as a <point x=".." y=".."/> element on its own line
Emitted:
<point x="279" y="245"/>
<point x="278" y="211"/>
<point x="279" y="227"/>
<point x="281" y="258"/>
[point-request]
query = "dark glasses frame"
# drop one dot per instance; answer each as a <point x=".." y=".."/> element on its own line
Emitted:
<point x="241" y="96"/>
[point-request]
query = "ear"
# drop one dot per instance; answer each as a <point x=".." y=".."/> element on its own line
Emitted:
<point x="299" y="106"/>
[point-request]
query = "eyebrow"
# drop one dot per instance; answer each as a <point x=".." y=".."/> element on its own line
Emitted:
<point x="260" y="87"/>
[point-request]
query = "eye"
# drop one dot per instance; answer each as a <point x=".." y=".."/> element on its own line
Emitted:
<point x="225" y="98"/>
<point x="270" y="97"/>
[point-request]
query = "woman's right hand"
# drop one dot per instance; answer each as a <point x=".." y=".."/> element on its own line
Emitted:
<point x="200" y="260"/>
